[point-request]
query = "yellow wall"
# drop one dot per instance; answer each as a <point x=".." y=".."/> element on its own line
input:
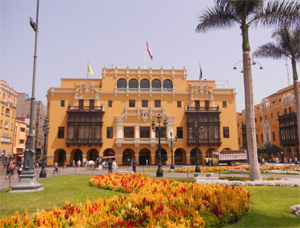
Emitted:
<point x="104" y="90"/>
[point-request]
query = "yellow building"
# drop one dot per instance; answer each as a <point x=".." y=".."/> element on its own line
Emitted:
<point x="275" y="122"/>
<point x="112" y="116"/>
<point x="8" y="101"/>
<point x="21" y="132"/>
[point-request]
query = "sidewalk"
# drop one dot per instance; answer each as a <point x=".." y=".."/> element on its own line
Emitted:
<point x="6" y="183"/>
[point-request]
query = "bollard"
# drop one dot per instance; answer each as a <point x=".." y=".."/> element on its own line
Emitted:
<point x="9" y="182"/>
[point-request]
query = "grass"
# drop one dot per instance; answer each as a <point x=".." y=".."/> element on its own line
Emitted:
<point x="271" y="205"/>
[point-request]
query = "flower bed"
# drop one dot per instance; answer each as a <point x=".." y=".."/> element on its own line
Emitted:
<point x="237" y="168"/>
<point x="152" y="202"/>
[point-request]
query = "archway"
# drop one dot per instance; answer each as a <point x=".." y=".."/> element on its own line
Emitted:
<point x="78" y="156"/>
<point x="193" y="157"/>
<point x="163" y="156"/>
<point x="109" y="152"/>
<point x="179" y="156"/>
<point x="144" y="155"/>
<point x="93" y="155"/>
<point x="61" y="157"/>
<point x="128" y="155"/>
<point x="209" y="153"/>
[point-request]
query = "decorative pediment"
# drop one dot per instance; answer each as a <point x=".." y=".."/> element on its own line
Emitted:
<point x="287" y="99"/>
<point x="265" y="104"/>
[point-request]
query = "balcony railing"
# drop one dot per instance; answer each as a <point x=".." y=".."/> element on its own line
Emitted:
<point x="86" y="109"/>
<point x="205" y="141"/>
<point x="144" y="90"/>
<point x="201" y="109"/>
<point x="84" y="141"/>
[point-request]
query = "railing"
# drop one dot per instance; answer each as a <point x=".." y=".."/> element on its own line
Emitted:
<point x="84" y="141"/>
<point x="148" y="90"/>
<point x="202" y="141"/>
<point x="86" y="108"/>
<point x="202" y="108"/>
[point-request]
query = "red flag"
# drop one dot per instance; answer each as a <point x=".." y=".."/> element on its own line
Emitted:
<point x="149" y="51"/>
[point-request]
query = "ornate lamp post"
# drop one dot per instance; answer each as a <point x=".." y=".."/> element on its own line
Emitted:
<point x="46" y="128"/>
<point x="159" y="172"/>
<point x="27" y="181"/>
<point x="171" y="140"/>
<point x="197" y="169"/>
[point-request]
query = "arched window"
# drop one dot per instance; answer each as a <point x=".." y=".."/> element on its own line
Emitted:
<point x="156" y="84"/>
<point x="168" y="84"/>
<point x="122" y="83"/>
<point x="133" y="83"/>
<point x="145" y="83"/>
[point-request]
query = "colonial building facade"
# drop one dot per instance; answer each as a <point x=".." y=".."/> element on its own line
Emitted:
<point x="113" y="116"/>
<point x="8" y="101"/>
<point x="276" y="123"/>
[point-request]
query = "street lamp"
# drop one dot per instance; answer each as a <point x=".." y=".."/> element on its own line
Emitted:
<point x="197" y="169"/>
<point x="171" y="140"/>
<point x="253" y="63"/>
<point x="27" y="182"/>
<point x="46" y="128"/>
<point x="159" y="172"/>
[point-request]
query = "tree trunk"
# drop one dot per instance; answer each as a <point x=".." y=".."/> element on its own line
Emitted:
<point x="250" y="119"/>
<point x="297" y="101"/>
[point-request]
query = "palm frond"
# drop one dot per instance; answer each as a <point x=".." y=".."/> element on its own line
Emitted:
<point x="270" y="50"/>
<point x="279" y="13"/>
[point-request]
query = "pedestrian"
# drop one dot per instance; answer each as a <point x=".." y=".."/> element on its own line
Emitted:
<point x="12" y="169"/>
<point x="166" y="163"/>
<point x="7" y="171"/>
<point x="147" y="162"/>
<point x="20" y="169"/>
<point x="73" y="163"/>
<point x="78" y="163"/>
<point x="65" y="164"/>
<point x="134" y="166"/>
<point x="109" y="166"/>
<point x="55" y="168"/>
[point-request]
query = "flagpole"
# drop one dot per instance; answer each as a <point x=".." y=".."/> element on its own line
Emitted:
<point x="145" y="63"/>
<point x="87" y="72"/>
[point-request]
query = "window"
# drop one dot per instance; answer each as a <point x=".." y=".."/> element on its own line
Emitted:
<point x="162" y="132"/>
<point x="131" y="103"/>
<point x="290" y="109"/>
<point x="62" y="103"/>
<point x="144" y="103"/>
<point x="157" y="103"/>
<point x="133" y="83"/>
<point x="109" y="103"/>
<point x="273" y="133"/>
<point x="224" y="104"/>
<point x="128" y="132"/>
<point x="178" y="104"/>
<point x="21" y="141"/>
<point x="225" y="132"/>
<point x="61" y="132"/>
<point x="92" y="104"/>
<point x="255" y="120"/>
<point x="167" y="84"/>
<point x="145" y="84"/>
<point x="180" y="132"/>
<point x="144" y="132"/>
<point x="197" y="104"/>
<point x="262" y="137"/>
<point x="109" y="132"/>
<point x="206" y="104"/>
<point x="156" y="84"/>
<point x="7" y="111"/>
<point x="271" y="115"/>
<point x="260" y="119"/>
<point x="22" y="129"/>
<point x="285" y="111"/>
<point x="278" y="113"/>
<point x="81" y="102"/>
<point x="122" y="83"/>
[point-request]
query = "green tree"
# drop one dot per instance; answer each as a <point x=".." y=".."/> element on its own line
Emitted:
<point x="226" y="14"/>
<point x="269" y="149"/>
<point x="287" y="46"/>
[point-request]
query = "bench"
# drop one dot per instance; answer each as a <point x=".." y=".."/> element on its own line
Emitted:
<point x="236" y="170"/>
<point x="188" y="167"/>
<point x="203" y="174"/>
<point x="125" y="171"/>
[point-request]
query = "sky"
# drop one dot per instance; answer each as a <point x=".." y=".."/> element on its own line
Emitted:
<point x="73" y="33"/>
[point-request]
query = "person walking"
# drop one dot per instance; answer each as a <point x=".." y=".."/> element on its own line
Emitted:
<point x="109" y="166"/>
<point x="55" y="168"/>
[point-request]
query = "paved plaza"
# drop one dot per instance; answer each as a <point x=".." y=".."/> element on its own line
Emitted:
<point x="6" y="183"/>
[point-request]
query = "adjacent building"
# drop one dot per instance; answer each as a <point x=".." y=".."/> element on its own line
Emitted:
<point x="8" y="101"/>
<point x="20" y="136"/>
<point x="113" y="116"/>
<point x="23" y="112"/>
<point x="276" y="123"/>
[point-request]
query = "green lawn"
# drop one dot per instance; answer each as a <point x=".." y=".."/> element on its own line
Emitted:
<point x="271" y="205"/>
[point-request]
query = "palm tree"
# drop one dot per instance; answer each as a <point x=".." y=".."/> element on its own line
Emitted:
<point x="287" y="46"/>
<point x="227" y="13"/>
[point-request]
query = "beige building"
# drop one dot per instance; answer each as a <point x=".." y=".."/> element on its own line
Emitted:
<point x="20" y="136"/>
<point x="113" y="116"/>
<point x="275" y="122"/>
<point x="8" y="101"/>
<point x="23" y="111"/>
